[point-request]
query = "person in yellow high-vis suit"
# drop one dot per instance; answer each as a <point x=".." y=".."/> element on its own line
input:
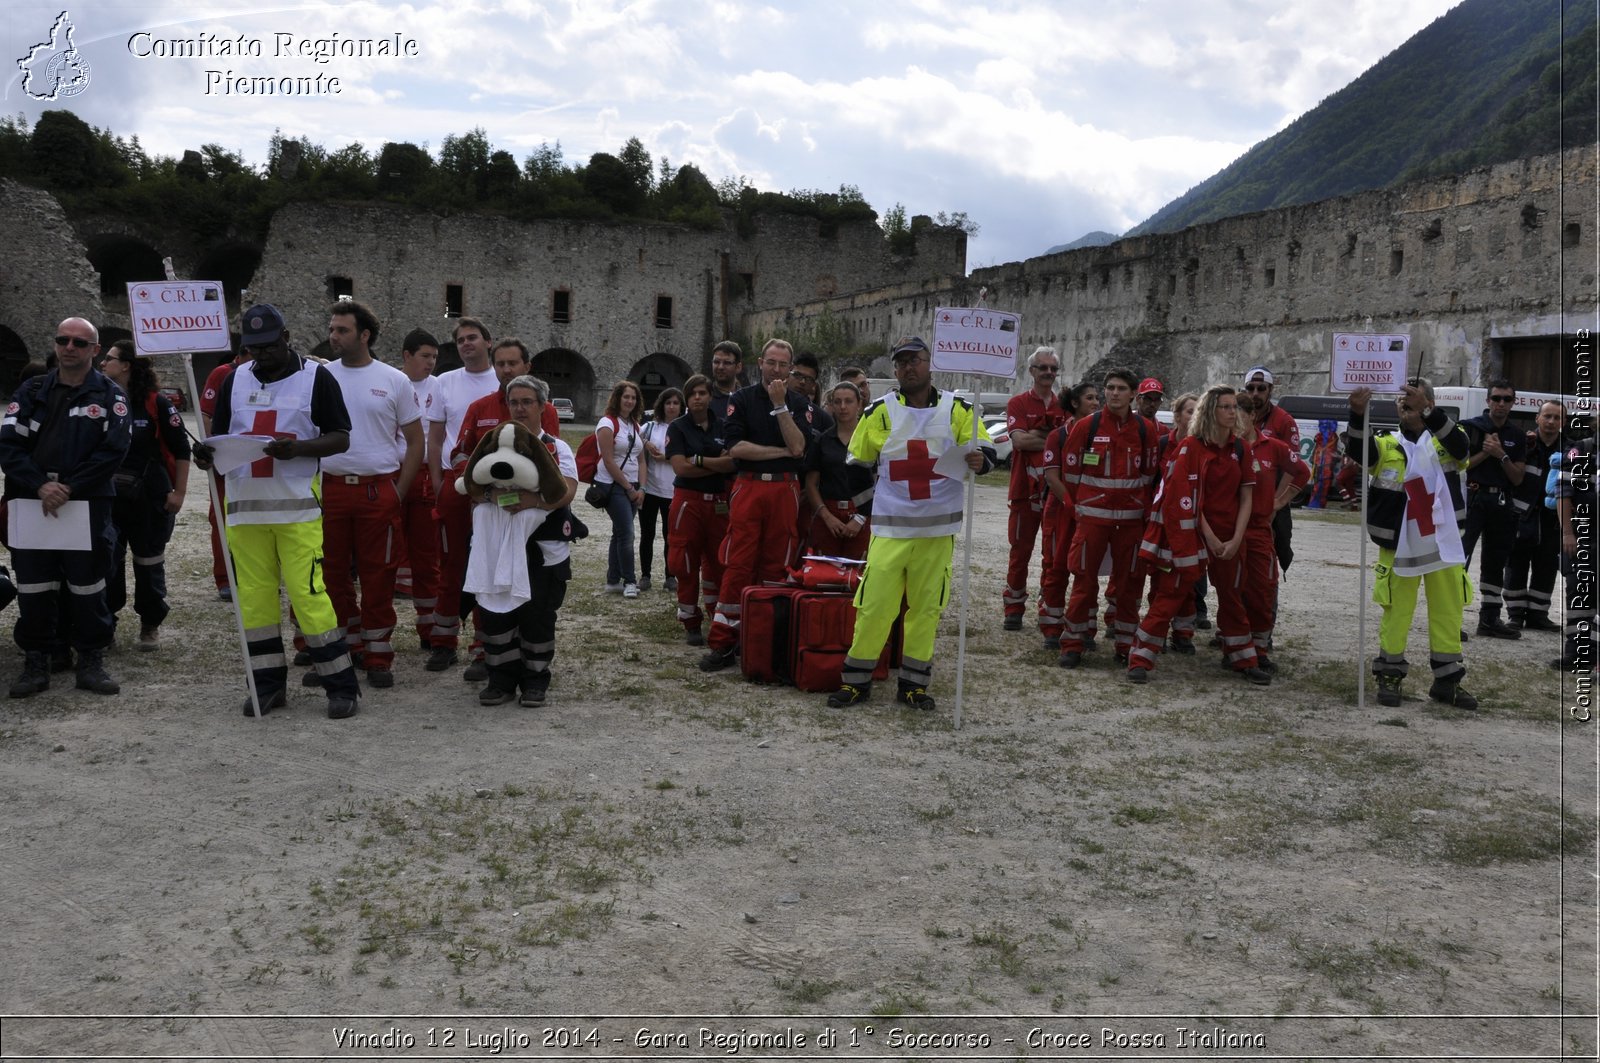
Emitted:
<point x="1413" y="514"/>
<point x="273" y="516"/>
<point x="915" y="516"/>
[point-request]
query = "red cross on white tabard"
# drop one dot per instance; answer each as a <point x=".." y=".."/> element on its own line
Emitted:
<point x="916" y="468"/>
<point x="1419" y="506"/>
<point x="266" y="424"/>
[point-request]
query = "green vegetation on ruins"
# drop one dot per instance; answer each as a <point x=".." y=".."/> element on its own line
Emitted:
<point x="213" y="191"/>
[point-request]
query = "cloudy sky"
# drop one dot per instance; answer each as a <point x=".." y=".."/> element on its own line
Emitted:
<point x="1041" y="120"/>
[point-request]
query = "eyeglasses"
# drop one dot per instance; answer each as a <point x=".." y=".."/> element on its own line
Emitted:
<point x="1257" y="387"/>
<point x="1051" y="369"/>
<point x="1502" y="398"/>
<point x="108" y="359"/>
<point x="73" y="341"/>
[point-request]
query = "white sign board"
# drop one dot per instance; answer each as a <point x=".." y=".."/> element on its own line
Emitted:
<point x="1362" y="360"/>
<point x="171" y="317"/>
<point x="975" y="341"/>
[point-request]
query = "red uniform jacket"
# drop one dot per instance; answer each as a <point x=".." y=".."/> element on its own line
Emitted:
<point x="1110" y="475"/>
<point x="1028" y="413"/>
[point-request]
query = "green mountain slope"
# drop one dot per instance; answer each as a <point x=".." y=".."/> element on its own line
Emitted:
<point x="1488" y="81"/>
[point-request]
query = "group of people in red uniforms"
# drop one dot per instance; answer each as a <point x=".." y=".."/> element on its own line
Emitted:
<point x="1117" y="493"/>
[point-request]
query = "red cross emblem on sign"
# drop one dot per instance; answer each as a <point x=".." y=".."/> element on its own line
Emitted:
<point x="266" y="424"/>
<point x="1419" y="505"/>
<point x="916" y="468"/>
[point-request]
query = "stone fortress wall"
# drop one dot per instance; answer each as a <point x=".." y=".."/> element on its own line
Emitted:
<point x="1485" y="270"/>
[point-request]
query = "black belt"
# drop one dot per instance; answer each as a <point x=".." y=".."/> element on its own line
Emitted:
<point x="771" y="477"/>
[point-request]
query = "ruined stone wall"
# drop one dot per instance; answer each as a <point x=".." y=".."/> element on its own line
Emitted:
<point x="44" y="275"/>
<point x="1462" y="264"/>
<point x="401" y="262"/>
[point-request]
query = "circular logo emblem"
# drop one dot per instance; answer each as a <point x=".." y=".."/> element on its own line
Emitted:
<point x="1186" y="502"/>
<point x="119" y="408"/>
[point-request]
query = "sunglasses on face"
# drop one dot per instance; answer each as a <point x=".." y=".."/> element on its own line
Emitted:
<point x="1255" y="387"/>
<point x="1502" y="398"/>
<point x="73" y="341"/>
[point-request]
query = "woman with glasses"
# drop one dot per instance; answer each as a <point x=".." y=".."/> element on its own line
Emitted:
<point x="150" y="488"/>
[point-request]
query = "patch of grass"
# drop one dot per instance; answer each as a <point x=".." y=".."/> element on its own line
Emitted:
<point x="805" y="990"/>
<point x="1140" y="814"/>
<point x="1005" y="950"/>
<point x="891" y="1003"/>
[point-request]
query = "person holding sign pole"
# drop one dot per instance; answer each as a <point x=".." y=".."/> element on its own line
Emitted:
<point x="272" y="516"/>
<point x="64" y="434"/>
<point x="916" y="513"/>
<point x="1414" y="505"/>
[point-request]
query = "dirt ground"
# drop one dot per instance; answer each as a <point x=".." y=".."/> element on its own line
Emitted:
<point x="662" y="863"/>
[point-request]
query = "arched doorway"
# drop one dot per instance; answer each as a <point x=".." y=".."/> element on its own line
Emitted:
<point x="570" y="376"/>
<point x="13" y="356"/>
<point x="232" y="263"/>
<point x="656" y="373"/>
<point x="121" y="259"/>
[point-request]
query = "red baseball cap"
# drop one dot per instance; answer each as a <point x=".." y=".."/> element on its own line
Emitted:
<point x="1151" y="385"/>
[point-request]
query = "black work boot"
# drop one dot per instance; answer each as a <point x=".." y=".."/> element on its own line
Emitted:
<point x="1389" y="690"/>
<point x="1447" y="693"/>
<point x="35" y="677"/>
<point x="92" y="673"/>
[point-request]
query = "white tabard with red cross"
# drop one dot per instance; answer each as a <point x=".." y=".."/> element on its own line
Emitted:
<point x="270" y="491"/>
<point x="911" y="501"/>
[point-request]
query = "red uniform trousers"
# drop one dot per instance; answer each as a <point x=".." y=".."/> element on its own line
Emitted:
<point x="1233" y="624"/>
<point x="759" y="546"/>
<point x="1090" y="541"/>
<point x="420" y="546"/>
<point x="361" y="524"/>
<point x="1057" y="528"/>
<point x="823" y="541"/>
<point x="1171" y="592"/>
<point x="1260" y="585"/>
<point x="454" y="513"/>
<point x="1023" y="528"/>
<point x="219" y="567"/>
<point x="694" y="549"/>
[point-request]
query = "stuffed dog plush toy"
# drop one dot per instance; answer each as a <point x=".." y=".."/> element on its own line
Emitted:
<point x="508" y="459"/>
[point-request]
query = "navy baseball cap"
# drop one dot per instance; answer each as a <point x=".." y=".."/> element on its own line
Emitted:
<point x="914" y="345"/>
<point x="260" y="325"/>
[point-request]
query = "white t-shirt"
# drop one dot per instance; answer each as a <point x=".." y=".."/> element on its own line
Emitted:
<point x="660" y="472"/>
<point x="557" y="552"/>
<point x="455" y="391"/>
<point x="625" y="449"/>
<point x="427" y="390"/>
<point x="381" y="401"/>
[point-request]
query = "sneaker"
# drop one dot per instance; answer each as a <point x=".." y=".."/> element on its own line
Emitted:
<point x="477" y="671"/>
<point x="493" y="695"/>
<point x="914" y="697"/>
<point x="35" y="677"/>
<point x="149" y="638"/>
<point x="1181" y="645"/>
<point x="1257" y="676"/>
<point x="1070" y="659"/>
<point x="1013" y="623"/>
<point x="1389" y="691"/>
<point x="1451" y="694"/>
<point x="1531" y="622"/>
<point x="1266" y="664"/>
<point x="92" y="674"/>
<point x="613" y="588"/>
<point x="1138" y="675"/>
<point x="630" y="590"/>
<point x="694" y="638"/>
<point x="341" y="708"/>
<point x="671" y="586"/>
<point x="380" y="678"/>
<point x="1495" y="628"/>
<point x="717" y="660"/>
<point x="441" y="658"/>
<point x="224" y="594"/>
<point x="273" y="701"/>
<point x="849" y="694"/>
<point x="644" y="585"/>
<point x="533" y="692"/>
<point x="302" y="658"/>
